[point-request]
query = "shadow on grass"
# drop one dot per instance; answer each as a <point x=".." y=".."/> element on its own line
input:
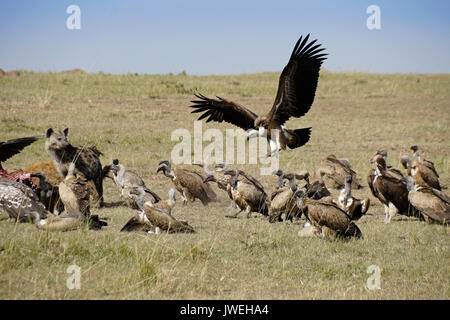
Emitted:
<point x="114" y="204"/>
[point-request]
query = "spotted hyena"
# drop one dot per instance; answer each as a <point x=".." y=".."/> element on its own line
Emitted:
<point x="86" y="160"/>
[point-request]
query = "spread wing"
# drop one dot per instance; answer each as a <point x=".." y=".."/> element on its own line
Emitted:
<point x="298" y="82"/>
<point x="220" y="110"/>
<point x="11" y="147"/>
<point x="255" y="182"/>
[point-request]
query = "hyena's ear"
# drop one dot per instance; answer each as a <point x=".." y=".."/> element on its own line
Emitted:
<point x="49" y="132"/>
<point x="66" y="131"/>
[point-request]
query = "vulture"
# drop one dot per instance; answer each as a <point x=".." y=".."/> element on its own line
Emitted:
<point x="189" y="183"/>
<point x="10" y="148"/>
<point x="328" y="218"/>
<point x="155" y="216"/>
<point x="393" y="171"/>
<point x="283" y="200"/>
<point x="317" y="189"/>
<point x="48" y="194"/>
<point x="296" y="90"/>
<point x="433" y="204"/>
<point x="423" y="171"/>
<point x="20" y="202"/>
<point x="336" y="170"/>
<point x="355" y="208"/>
<point x="391" y="191"/>
<point x="127" y="180"/>
<point x="74" y="192"/>
<point x="249" y="195"/>
<point x="280" y="183"/>
<point x="216" y="175"/>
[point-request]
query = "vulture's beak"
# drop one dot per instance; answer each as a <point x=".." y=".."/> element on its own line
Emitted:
<point x="161" y="168"/>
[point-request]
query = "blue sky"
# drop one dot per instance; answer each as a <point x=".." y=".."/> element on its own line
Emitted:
<point x="222" y="37"/>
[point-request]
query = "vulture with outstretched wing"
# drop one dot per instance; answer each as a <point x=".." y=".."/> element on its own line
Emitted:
<point x="12" y="147"/>
<point x="296" y="91"/>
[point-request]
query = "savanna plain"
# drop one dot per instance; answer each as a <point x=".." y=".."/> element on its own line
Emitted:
<point x="131" y="117"/>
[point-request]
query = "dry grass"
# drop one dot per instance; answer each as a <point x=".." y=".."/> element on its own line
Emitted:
<point x="130" y="117"/>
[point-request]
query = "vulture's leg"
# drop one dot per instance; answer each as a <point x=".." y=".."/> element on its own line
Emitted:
<point x="386" y="213"/>
<point x="392" y="211"/>
<point x="233" y="205"/>
<point x="274" y="148"/>
<point x="249" y="212"/>
<point x="234" y="215"/>
<point x="183" y="197"/>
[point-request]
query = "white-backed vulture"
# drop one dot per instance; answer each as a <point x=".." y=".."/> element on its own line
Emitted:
<point x="391" y="192"/>
<point x="317" y="189"/>
<point x="20" y="202"/>
<point x="217" y="175"/>
<point x="423" y="171"/>
<point x="249" y="195"/>
<point x="432" y="203"/>
<point x="335" y="171"/>
<point x="283" y="201"/>
<point x="189" y="183"/>
<point x="355" y="208"/>
<point x="296" y="91"/>
<point x="154" y="216"/>
<point x="126" y="180"/>
<point x="74" y="193"/>
<point x="331" y="220"/>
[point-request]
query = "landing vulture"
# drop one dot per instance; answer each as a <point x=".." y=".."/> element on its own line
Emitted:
<point x="296" y="91"/>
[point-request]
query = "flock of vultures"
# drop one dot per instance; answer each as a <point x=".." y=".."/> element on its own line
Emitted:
<point x="58" y="195"/>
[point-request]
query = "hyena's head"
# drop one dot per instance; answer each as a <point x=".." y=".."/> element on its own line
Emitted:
<point x="56" y="139"/>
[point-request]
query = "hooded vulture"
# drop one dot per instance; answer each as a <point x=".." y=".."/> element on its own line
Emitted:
<point x="296" y="90"/>
<point x="189" y="183"/>
<point x="247" y="193"/>
<point x="331" y="220"/>
<point x="10" y="148"/>
<point x="336" y="170"/>
<point x="432" y="203"/>
<point x="355" y="208"/>
<point x="391" y="191"/>
<point x="155" y="216"/>
<point x="423" y="171"/>
<point x="126" y="180"/>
